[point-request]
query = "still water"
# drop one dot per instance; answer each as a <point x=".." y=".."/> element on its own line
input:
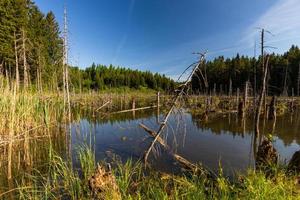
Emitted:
<point x="222" y="140"/>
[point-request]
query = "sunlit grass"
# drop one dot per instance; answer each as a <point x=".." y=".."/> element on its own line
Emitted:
<point x="134" y="182"/>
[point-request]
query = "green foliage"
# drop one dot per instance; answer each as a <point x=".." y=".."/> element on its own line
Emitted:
<point x="101" y="77"/>
<point x="240" y="69"/>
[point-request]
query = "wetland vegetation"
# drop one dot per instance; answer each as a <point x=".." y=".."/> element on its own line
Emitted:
<point x="228" y="129"/>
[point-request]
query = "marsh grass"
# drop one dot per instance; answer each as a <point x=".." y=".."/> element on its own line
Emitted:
<point x="26" y="116"/>
<point x="61" y="181"/>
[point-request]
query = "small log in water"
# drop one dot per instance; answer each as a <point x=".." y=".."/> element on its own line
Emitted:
<point x="105" y="104"/>
<point x="187" y="164"/>
<point x="130" y="110"/>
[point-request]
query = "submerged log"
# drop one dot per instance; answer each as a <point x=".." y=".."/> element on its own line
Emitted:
<point x="266" y="155"/>
<point x="294" y="164"/>
<point x="185" y="163"/>
<point x="103" y="184"/>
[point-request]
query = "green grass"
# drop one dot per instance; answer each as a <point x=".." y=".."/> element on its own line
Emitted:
<point x="61" y="181"/>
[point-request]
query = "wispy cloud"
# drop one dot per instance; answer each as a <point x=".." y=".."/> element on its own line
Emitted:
<point x="125" y="35"/>
<point x="282" y="19"/>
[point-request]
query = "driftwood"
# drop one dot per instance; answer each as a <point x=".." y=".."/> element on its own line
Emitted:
<point x="135" y="109"/>
<point x="105" y="104"/>
<point x="175" y="100"/>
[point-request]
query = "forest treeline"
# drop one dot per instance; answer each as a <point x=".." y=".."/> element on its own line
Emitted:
<point x="101" y="77"/>
<point x="226" y="75"/>
<point x="31" y="53"/>
<point x="30" y="45"/>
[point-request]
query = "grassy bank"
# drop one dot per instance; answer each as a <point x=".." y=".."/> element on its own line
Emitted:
<point x="131" y="181"/>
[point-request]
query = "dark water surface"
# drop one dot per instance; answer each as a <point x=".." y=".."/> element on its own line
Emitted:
<point x="223" y="140"/>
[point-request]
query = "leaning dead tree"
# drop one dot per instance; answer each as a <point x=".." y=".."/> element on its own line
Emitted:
<point x="157" y="135"/>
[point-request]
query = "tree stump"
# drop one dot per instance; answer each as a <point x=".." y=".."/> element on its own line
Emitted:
<point x="266" y="155"/>
<point x="103" y="184"/>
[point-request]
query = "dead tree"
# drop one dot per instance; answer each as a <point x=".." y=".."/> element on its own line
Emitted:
<point x="272" y="109"/>
<point x="230" y="87"/>
<point x="38" y="71"/>
<point x="66" y="67"/>
<point x="174" y="102"/>
<point x="285" y="90"/>
<point x="298" y="81"/>
<point x="261" y="96"/>
<point x="246" y="98"/>
<point x="17" y="62"/>
<point x="177" y="157"/>
<point x="25" y="67"/>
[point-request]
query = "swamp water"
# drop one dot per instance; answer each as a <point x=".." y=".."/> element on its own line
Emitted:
<point x="223" y="140"/>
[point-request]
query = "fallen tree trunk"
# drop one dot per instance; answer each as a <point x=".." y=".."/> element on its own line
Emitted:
<point x="187" y="164"/>
<point x="105" y="104"/>
<point x="135" y="109"/>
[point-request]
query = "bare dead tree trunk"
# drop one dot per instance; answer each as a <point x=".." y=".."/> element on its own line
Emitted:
<point x="246" y="98"/>
<point x="285" y="90"/>
<point x="38" y="72"/>
<point x="11" y="132"/>
<point x="17" y="63"/>
<point x="260" y="103"/>
<point x="237" y="98"/>
<point x="215" y="89"/>
<point x="25" y="73"/>
<point x="230" y="87"/>
<point x="66" y="68"/>
<point x="298" y="81"/>
<point x="7" y="79"/>
<point x="272" y="109"/>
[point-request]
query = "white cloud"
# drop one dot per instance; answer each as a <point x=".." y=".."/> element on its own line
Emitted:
<point x="125" y="35"/>
<point x="282" y="19"/>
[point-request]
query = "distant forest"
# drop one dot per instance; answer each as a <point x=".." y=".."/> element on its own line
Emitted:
<point x="99" y="77"/>
<point x="226" y="75"/>
<point x="31" y="54"/>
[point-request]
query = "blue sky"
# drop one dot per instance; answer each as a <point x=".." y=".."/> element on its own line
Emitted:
<point x="160" y="35"/>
